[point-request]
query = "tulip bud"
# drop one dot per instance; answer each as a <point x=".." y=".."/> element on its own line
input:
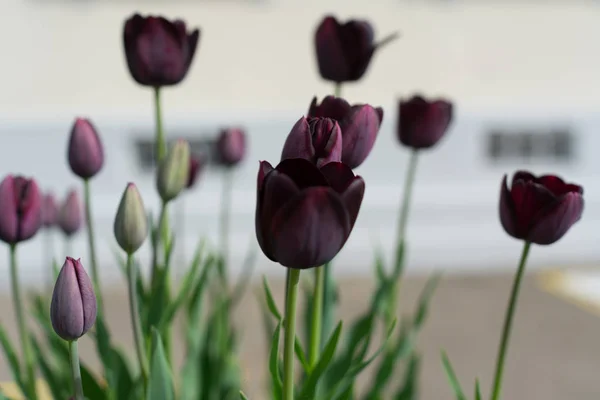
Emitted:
<point x="20" y="209"/>
<point x="86" y="154"/>
<point x="70" y="217"/>
<point x="173" y="171"/>
<point x="73" y="308"/>
<point x="423" y="123"/>
<point x="231" y="146"/>
<point x="49" y="210"/>
<point x="318" y="140"/>
<point x="131" y="224"/>
<point x="196" y="166"/>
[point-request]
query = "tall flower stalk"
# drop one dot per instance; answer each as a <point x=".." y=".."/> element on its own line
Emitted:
<point x="290" y="333"/>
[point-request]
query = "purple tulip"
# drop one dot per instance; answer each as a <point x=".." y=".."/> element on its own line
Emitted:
<point x="423" y="123"/>
<point x="20" y="209"/>
<point x="344" y="51"/>
<point x="318" y="140"/>
<point x="541" y="209"/>
<point x="231" y="146"/>
<point x="159" y="52"/>
<point x="359" y="124"/>
<point x="49" y="210"/>
<point x="305" y="214"/>
<point x="196" y="167"/>
<point x="73" y="308"/>
<point x="70" y="217"/>
<point x="86" y="154"/>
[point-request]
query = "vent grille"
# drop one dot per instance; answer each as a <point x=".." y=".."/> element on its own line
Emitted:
<point x="554" y="145"/>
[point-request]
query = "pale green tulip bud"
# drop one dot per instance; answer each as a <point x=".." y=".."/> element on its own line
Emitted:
<point x="131" y="222"/>
<point x="173" y="171"/>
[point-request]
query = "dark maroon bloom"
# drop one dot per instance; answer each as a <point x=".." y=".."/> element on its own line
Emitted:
<point x="344" y="51"/>
<point x="422" y="123"/>
<point x="70" y="217"/>
<point x="196" y="166"/>
<point x="305" y="214"/>
<point x="318" y="140"/>
<point x="359" y="124"/>
<point x="86" y="153"/>
<point x="20" y="209"/>
<point x="49" y="210"/>
<point x="231" y="146"/>
<point x="159" y="52"/>
<point x="73" y="308"/>
<point x="539" y="209"/>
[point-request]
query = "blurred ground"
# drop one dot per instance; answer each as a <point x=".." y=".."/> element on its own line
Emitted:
<point x="555" y="353"/>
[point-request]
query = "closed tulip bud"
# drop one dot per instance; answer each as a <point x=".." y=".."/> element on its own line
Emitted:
<point x="344" y="50"/>
<point x="231" y="147"/>
<point x="173" y="171"/>
<point x="159" y="52"/>
<point x="131" y="224"/>
<point x="49" y="210"/>
<point x="86" y="154"/>
<point x="359" y="124"/>
<point x="318" y="140"/>
<point x="73" y="307"/>
<point x="423" y="123"/>
<point x="196" y="167"/>
<point x="541" y="209"/>
<point x="70" y="216"/>
<point x="20" y="209"/>
<point x="305" y="214"/>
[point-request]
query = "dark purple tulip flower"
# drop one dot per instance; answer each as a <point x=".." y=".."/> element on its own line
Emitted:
<point x="359" y="124"/>
<point x="541" y="209"/>
<point x="70" y="217"/>
<point x="422" y="123"/>
<point x="305" y="214"/>
<point x="344" y="50"/>
<point x="49" y="210"/>
<point x="318" y="140"/>
<point x="20" y="209"/>
<point x="86" y="153"/>
<point x="196" y="166"/>
<point x="231" y="146"/>
<point x="159" y="52"/>
<point x="73" y="308"/>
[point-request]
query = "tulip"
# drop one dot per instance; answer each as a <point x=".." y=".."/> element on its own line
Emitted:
<point x="73" y="306"/>
<point x="196" y="166"/>
<point x="305" y="214"/>
<point x="20" y="209"/>
<point x="423" y="123"/>
<point x="131" y="224"/>
<point x="344" y="51"/>
<point x="49" y="210"/>
<point x="173" y="171"/>
<point x="318" y="140"/>
<point x="85" y="153"/>
<point x="359" y="124"/>
<point x="231" y="146"/>
<point x="70" y="217"/>
<point x="159" y="52"/>
<point x="541" y="209"/>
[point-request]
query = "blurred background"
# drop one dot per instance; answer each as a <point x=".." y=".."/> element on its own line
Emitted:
<point x="523" y="76"/>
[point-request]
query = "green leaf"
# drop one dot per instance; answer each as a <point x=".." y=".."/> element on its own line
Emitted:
<point x="400" y="257"/>
<point x="380" y="273"/>
<point x="58" y="385"/>
<point x="425" y="299"/>
<point x="410" y="387"/>
<point x="11" y="356"/>
<point x="330" y="301"/>
<point x="242" y="396"/>
<point x="270" y="300"/>
<point x="123" y="383"/>
<point x="245" y="278"/>
<point x="451" y="375"/>
<point x="274" y="366"/>
<point x="93" y="390"/>
<point x="478" y="395"/>
<point x="160" y="383"/>
<point x="301" y="354"/>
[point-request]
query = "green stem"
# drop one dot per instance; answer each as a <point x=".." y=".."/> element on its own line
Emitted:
<point x="75" y="370"/>
<point x="337" y="90"/>
<point x="161" y="145"/>
<point x="224" y="222"/>
<point x="135" y="319"/>
<point x="21" y="326"/>
<point x="290" y="333"/>
<point x="317" y="316"/>
<point x="92" y="245"/>
<point x="160" y="241"/>
<point x="508" y="320"/>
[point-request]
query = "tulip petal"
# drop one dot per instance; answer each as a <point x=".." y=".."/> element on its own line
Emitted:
<point x="298" y="143"/>
<point x="557" y="185"/>
<point x="192" y="46"/>
<point x="353" y="197"/>
<point x="88" y="298"/>
<point x="557" y="220"/>
<point x="339" y="176"/>
<point x="31" y="210"/>
<point x="330" y="51"/>
<point x="529" y="199"/>
<point x="331" y="107"/>
<point x="310" y="229"/>
<point x="359" y="132"/>
<point x="263" y="170"/>
<point x="66" y="310"/>
<point x="8" y="208"/>
<point x="507" y="210"/>
<point x="304" y="173"/>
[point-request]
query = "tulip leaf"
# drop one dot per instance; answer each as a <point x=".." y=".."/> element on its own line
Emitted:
<point x="274" y="365"/>
<point x="380" y="273"/>
<point x="247" y="270"/>
<point x="123" y="382"/>
<point x="242" y="396"/>
<point x="11" y="356"/>
<point x="93" y="390"/>
<point x="400" y="257"/>
<point x="160" y="383"/>
<point x="409" y="388"/>
<point x="270" y="300"/>
<point x="330" y="300"/>
<point x="3" y="396"/>
<point x="425" y="300"/>
<point x="58" y="387"/>
<point x="452" y="378"/>
<point x="478" y="395"/>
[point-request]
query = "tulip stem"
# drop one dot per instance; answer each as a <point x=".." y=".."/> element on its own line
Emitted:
<point x="290" y="333"/>
<point x="508" y="320"/>
<point x="161" y="146"/>
<point x="75" y="370"/>
<point x="224" y="222"/>
<point x="135" y="319"/>
<point x="317" y="316"/>
<point x="21" y="325"/>
<point x="92" y="245"/>
<point x="337" y="90"/>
